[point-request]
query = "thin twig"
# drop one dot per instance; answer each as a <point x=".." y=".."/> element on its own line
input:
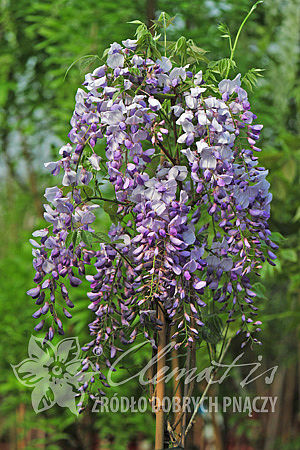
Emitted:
<point x="205" y="391"/>
<point x="165" y="151"/>
<point x="106" y="200"/>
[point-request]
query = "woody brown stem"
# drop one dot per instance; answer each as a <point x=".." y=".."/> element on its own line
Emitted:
<point x="165" y="151"/>
<point x="160" y="386"/>
<point x="177" y="393"/>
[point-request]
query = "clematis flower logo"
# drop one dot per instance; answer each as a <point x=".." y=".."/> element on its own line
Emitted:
<point x="51" y="371"/>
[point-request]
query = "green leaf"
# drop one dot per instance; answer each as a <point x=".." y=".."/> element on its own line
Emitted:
<point x="250" y="77"/>
<point x="193" y="47"/>
<point x="87" y="238"/>
<point x="277" y="237"/>
<point x="102" y="238"/>
<point x="111" y="209"/>
<point x="76" y="239"/>
<point x="297" y="215"/>
<point x="225" y="30"/>
<point x="289" y="170"/>
<point x="141" y="32"/>
<point x="69" y="239"/>
<point x="137" y="22"/>
<point x="289" y="254"/>
<point x="86" y="64"/>
<point x="260" y="290"/>
<point x="212" y="330"/>
<point x="117" y="93"/>
<point x="164" y="20"/>
<point x="88" y="190"/>
<point x="105" y="53"/>
<point x="77" y="60"/>
<point x="222" y="66"/>
<point x="180" y="46"/>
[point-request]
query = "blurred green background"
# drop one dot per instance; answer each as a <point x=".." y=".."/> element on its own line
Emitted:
<point x="39" y="41"/>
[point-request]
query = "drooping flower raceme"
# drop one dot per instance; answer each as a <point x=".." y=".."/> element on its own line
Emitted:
<point x="191" y="206"/>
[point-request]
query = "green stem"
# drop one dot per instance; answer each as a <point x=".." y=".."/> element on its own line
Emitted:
<point x="238" y="35"/>
<point x="165" y="34"/>
<point x="106" y="200"/>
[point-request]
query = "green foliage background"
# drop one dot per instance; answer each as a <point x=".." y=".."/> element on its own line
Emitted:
<point x="39" y="40"/>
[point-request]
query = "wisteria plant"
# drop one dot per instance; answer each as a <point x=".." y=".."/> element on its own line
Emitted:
<point x="190" y="205"/>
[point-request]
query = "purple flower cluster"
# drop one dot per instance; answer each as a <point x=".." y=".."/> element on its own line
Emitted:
<point x="192" y="205"/>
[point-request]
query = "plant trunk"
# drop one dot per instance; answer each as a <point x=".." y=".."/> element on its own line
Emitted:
<point x="177" y="393"/>
<point x="20" y="427"/>
<point x="160" y="386"/>
<point x="150" y="12"/>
